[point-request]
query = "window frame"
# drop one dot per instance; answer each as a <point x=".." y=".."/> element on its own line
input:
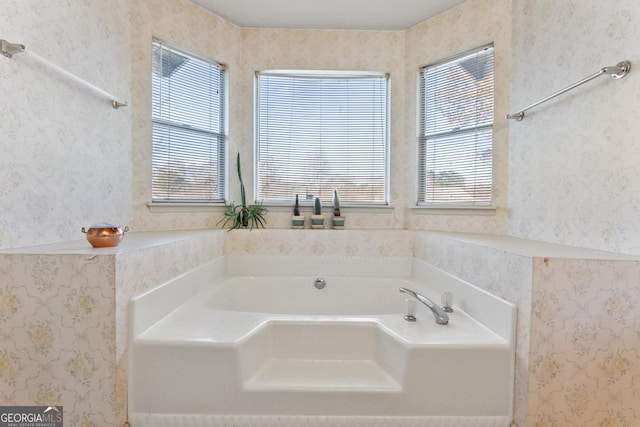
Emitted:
<point x="195" y="204"/>
<point x="421" y="195"/>
<point x="304" y="202"/>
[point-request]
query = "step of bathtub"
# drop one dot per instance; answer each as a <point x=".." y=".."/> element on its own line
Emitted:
<point x="292" y="374"/>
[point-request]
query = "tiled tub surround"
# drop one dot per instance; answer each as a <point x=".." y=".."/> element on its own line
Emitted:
<point x="583" y="325"/>
<point x="259" y="339"/>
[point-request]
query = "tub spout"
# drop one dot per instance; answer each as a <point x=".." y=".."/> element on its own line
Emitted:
<point x="442" y="318"/>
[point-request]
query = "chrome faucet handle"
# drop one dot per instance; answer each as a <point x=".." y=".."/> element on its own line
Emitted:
<point x="411" y="310"/>
<point x="447" y="301"/>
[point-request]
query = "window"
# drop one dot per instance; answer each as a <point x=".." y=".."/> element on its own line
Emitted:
<point x="456" y="131"/>
<point x="317" y="131"/>
<point x="188" y="138"/>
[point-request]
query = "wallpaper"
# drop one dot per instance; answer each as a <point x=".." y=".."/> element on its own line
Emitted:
<point x="584" y="365"/>
<point x="567" y="174"/>
<point x="247" y="50"/>
<point x="95" y="163"/>
<point x="381" y="51"/>
<point x="361" y="243"/>
<point x="58" y="336"/>
<point x="577" y="358"/>
<point x="64" y="324"/>
<point x="63" y="315"/>
<point x="65" y="160"/>
<point x="573" y="160"/>
<point x="473" y="24"/>
<point x="193" y="29"/>
<point x="70" y="161"/>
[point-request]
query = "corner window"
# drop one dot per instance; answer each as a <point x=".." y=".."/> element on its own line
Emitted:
<point x="316" y="131"/>
<point x="456" y="131"/>
<point x="189" y="137"/>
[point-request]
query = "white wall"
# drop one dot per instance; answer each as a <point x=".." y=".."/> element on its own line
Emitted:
<point x="65" y="158"/>
<point x="573" y="164"/>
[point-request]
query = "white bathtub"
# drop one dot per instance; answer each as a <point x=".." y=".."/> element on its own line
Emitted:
<point x="216" y="347"/>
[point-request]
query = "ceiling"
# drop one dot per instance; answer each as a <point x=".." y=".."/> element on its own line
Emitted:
<point x="328" y="14"/>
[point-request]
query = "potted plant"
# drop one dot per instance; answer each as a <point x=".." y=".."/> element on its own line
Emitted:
<point x="317" y="219"/>
<point x="337" y="220"/>
<point x="243" y="216"/>
<point x="297" y="220"/>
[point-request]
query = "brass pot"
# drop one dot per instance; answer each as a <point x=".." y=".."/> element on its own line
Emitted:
<point x="105" y="235"/>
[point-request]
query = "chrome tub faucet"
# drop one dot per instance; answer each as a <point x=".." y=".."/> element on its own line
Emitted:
<point x="442" y="318"/>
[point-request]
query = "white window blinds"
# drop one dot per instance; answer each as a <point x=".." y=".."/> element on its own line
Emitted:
<point x="320" y="131"/>
<point x="188" y="139"/>
<point x="456" y="131"/>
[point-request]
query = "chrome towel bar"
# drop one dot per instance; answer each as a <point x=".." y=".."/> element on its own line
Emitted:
<point x="617" y="72"/>
<point x="9" y="49"/>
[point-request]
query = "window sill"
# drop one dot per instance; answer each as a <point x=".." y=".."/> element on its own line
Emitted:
<point x="454" y="210"/>
<point x="186" y="207"/>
